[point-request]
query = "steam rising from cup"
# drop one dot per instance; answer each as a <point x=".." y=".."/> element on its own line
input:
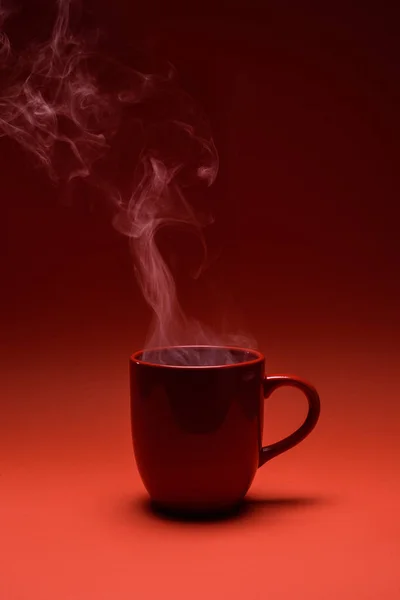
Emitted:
<point x="59" y="102"/>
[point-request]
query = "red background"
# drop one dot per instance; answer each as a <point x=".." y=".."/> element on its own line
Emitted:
<point x="304" y="105"/>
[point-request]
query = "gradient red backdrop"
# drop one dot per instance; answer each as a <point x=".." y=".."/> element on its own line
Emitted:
<point x="305" y="255"/>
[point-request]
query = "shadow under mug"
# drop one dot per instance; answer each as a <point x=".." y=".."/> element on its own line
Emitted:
<point x="197" y="430"/>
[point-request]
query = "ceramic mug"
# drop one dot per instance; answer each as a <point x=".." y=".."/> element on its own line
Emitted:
<point x="197" y="429"/>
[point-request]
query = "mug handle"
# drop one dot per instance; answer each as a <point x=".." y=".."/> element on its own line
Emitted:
<point x="271" y="384"/>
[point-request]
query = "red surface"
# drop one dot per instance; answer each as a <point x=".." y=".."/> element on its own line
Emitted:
<point x="305" y="109"/>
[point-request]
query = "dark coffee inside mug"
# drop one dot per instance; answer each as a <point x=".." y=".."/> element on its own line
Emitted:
<point x="197" y="356"/>
<point x="197" y="423"/>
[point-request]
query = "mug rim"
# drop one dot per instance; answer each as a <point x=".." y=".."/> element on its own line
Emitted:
<point x="259" y="357"/>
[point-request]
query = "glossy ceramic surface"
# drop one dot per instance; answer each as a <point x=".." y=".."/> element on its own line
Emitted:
<point x="197" y="430"/>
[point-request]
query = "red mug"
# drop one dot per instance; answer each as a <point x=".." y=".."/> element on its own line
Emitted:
<point x="197" y="428"/>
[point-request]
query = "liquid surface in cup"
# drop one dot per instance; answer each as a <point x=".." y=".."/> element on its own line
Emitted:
<point x="197" y="356"/>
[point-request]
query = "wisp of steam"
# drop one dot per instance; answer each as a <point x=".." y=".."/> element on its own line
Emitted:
<point x="58" y="105"/>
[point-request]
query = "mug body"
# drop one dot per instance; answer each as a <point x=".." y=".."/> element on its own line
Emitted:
<point x="197" y="430"/>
